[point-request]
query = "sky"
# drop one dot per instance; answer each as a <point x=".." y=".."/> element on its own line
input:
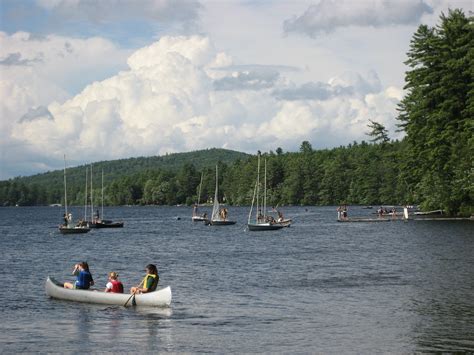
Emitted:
<point x="108" y="79"/>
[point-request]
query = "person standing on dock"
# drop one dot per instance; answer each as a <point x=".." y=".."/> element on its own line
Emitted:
<point x="405" y="212"/>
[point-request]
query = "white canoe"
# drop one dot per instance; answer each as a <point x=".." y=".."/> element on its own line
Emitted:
<point x="159" y="298"/>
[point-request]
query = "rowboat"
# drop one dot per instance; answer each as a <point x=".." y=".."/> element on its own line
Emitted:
<point x="159" y="298"/>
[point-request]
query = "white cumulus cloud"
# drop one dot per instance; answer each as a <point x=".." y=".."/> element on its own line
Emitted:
<point x="171" y="99"/>
<point x="34" y="73"/>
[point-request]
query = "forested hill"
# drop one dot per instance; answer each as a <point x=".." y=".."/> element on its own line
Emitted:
<point x="48" y="188"/>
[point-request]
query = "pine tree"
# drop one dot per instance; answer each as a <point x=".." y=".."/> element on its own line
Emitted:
<point x="436" y="112"/>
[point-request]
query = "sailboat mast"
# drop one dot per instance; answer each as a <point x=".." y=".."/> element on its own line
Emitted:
<point x="85" y="196"/>
<point x="265" y="192"/>
<point x="92" y="200"/>
<point x="253" y="200"/>
<point x="65" y="187"/>
<point x="215" y="208"/>
<point x="258" y="186"/>
<point x="200" y="186"/>
<point x="102" y="212"/>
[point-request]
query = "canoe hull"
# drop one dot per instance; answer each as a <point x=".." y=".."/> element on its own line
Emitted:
<point x="160" y="298"/>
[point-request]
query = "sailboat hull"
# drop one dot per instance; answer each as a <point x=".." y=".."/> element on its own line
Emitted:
<point x="220" y="223"/>
<point x="73" y="230"/>
<point x="264" y="226"/>
<point x="285" y="222"/>
<point x="108" y="224"/>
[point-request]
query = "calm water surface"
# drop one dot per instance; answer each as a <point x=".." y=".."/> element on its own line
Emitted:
<point x="319" y="286"/>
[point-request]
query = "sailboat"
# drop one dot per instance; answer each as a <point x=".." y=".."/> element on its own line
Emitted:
<point x="277" y="215"/>
<point x="68" y="227"/>
<point x="196" y="216"/>
<point x="262" y="220"/>
<point x="219" y="215"/>
<point x="98" y="222"/>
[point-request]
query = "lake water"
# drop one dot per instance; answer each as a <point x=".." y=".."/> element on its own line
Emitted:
<point x="319" y="286"/>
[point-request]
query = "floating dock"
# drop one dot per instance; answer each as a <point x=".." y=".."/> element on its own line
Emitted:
<point x="361" y="219"/>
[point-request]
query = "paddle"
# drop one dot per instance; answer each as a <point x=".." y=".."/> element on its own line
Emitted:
<point x="133" y="294"/>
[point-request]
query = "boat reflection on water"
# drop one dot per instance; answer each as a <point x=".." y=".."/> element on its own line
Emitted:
<point x="157" y="312"/>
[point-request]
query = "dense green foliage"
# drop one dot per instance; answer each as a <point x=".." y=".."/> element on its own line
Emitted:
<point x="360" y="173"/>
<point x="437" y="114"/>
<point x="48" y="188"/>
<point x="432" y="166"/>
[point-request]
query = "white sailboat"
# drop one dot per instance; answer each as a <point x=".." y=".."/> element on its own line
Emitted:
<point x="219" y="215"/>
<point x="197" y="217"/>
<point x="262" y="220"/>
<point x="69" y="227"/>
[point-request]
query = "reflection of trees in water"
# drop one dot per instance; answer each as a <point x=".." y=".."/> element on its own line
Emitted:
<point x="115" y="315"/>
<point x="159" y="335"/>
<point x="83" y="328"/>
<point x="136" y="329"/>
<point x="92" y="322"/>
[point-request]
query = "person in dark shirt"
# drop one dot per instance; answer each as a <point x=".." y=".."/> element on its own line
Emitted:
<point x="84" y="278"/>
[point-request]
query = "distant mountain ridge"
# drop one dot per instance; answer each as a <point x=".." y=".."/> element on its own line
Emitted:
<point x="115" y="169"/>
<point x="48" y="188"/>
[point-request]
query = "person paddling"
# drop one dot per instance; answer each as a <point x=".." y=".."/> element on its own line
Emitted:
<point x="149" y="282"/>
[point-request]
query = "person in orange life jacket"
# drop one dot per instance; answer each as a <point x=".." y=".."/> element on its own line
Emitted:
<point x="114" y="285"/>
<point x="150" y="281"/>
<point x="84" y="278"/>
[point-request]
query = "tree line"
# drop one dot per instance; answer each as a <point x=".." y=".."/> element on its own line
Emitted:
<point x="432" y="166"/>
<point x="360" y="173"/>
